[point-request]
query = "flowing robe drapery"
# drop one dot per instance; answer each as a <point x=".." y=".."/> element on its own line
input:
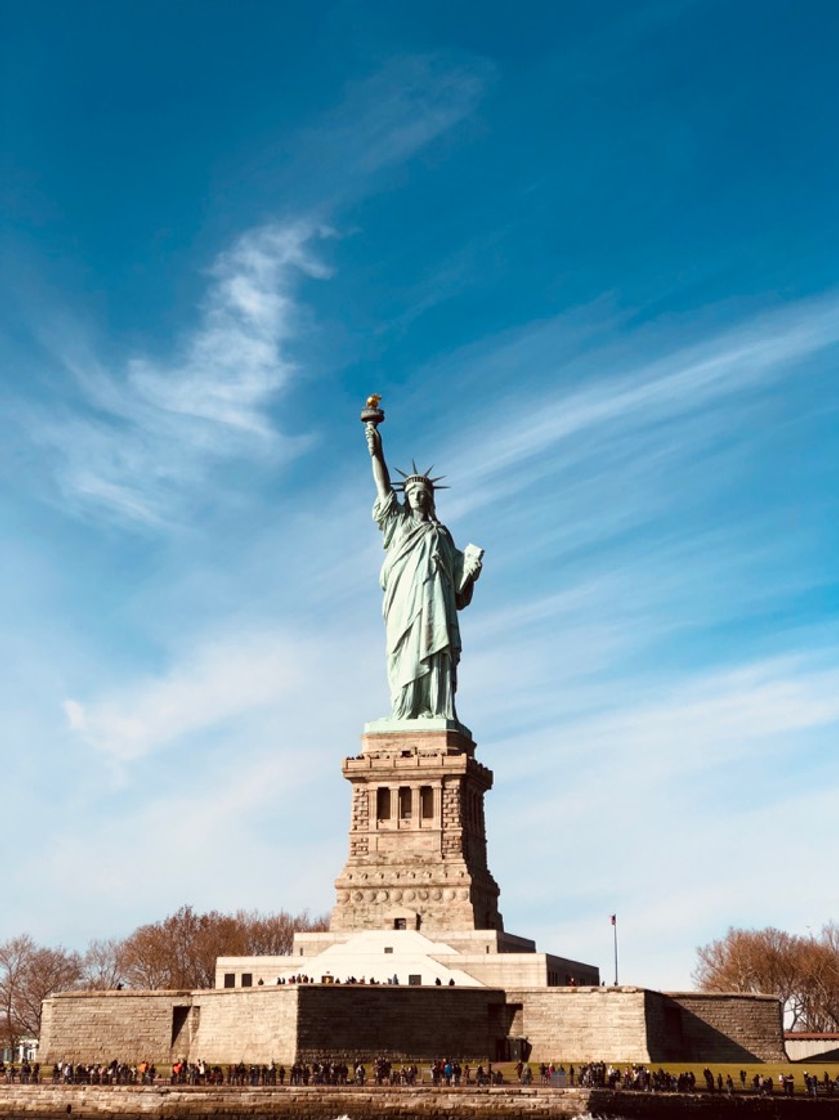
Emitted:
<point x="420" y="577"/>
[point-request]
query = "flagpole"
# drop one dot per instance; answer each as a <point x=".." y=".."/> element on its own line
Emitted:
<point x="615" y="932"/>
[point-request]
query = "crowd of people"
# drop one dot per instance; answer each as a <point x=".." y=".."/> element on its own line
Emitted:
<point x="303" y="978"/>
<point x="28" y="1073"/>
<point x="442" y="1072"/>
<point x="640" y="1078"/>
<point x="70" y="1073"/>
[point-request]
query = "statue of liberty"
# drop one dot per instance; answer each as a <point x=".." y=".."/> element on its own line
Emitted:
<point x="426" y="581"/>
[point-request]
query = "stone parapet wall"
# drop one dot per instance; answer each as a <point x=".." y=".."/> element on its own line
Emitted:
<point x="258" y="1025"/>
<point x="314" y="1021"/>
<point x="99" y="1026"/>
<point x="583" y="1024"/>
<point x="251" y="1024"/>
<point x="396" y="1022"/>
<point x="714" y="1026"/>
<point x="639" y="1025"/>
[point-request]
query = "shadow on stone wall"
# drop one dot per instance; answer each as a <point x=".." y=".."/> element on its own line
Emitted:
<point x="677" y="1032"/>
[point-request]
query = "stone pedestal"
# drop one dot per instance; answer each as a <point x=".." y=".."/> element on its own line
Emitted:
<point x="417" y="835"/>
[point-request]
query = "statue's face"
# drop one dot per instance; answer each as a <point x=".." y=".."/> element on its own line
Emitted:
<point x="419" y="498"/>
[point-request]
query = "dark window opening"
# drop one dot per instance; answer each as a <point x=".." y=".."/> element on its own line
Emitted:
<point x="388" y="948"/>
<point x="415" y="979"/>
<point x="230" y="979"/>
<point x="426" y="803"/>
<point x="383" y="803"/>
<point x="247" y="979"/>
<point x="399" y="923"/>
<point x="405" y="800"/>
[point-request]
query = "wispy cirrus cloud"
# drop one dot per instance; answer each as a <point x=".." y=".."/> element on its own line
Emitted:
<point x="694" y="722"/>
<point x="662" y="386"/>
<point x="386" y="118"/>
<point x="654" y="790"/>
<point x="410" y="102"/>
<point x="141" y="436"/>
<point x="218" y="681"/>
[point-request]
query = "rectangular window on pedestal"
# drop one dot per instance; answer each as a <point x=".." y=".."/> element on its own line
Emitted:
<point x="383" y="803"/>
<point x="426" y="803"/>
<point x="404" y="802"/>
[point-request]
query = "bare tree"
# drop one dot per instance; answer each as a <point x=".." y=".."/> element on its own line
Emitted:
<point x="14" y="956"/>
<point x="803" y="972"/>
<point x="273" y="934"/>
<point x="181" y="950"/>
<point x="47" y="971"/>
<point x="28" y="974"/>
<point x="820" y="980"/>
<point x="103" y="964"/>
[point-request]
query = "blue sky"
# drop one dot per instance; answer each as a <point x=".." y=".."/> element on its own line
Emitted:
<point x="588" y="254"/>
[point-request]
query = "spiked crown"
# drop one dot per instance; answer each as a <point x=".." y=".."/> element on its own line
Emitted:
<point x="418" y="479"/>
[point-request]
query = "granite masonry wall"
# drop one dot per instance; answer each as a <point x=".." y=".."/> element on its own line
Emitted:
<point x="397" y="1022"/>
<point x="581" y="1024"/>
<point x="256" y="1025"/>
<point x="259" y="1025"/>
<point x="92" y="1026"/>
<point x="714" y="1027"/>
<point x="320" y="1020"/>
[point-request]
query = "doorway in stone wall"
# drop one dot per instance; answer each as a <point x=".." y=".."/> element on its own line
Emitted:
<point x="180" y="1018"/>
<point x="185" y="1021"/>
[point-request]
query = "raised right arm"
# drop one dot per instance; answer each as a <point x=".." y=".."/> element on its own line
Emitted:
<point x="381" y="477"/>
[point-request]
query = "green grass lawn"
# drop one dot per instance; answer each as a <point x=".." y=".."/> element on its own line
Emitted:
<point x="765" y="1069"/>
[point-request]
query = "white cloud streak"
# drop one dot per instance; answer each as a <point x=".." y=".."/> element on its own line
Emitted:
<point x="519" y="440"/>
<point x="386" y="118"/>
<point x="218" y="681"/>
<point x="683" y="809"/>
<point x="233" y="364"/>
<point x="146" y="436"/>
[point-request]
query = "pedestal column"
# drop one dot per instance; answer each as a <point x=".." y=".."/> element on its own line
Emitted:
<point x="427" y="871"/>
